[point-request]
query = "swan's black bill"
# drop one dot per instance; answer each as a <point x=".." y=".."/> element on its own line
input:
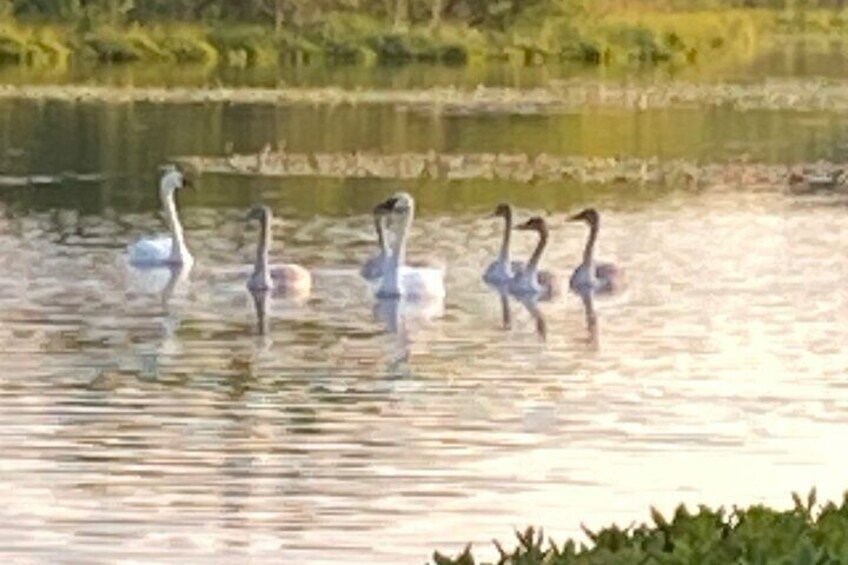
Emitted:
<point x="503" y="210"/>
<point x="386" y="206"/>
<point x="588" y="215"/>
<point x="258" y="213"/>
<point x="534" y="223"/>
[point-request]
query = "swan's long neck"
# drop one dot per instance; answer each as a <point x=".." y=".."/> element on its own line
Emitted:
<point x="507" y="237"/>
<point x="533" y="264"/>
<point x="589" y="251"/>
<point x="380" y="226"/>
<point x="179" y="251"/>
<point x="260" y="268"/>
<point x="398" y="258"/>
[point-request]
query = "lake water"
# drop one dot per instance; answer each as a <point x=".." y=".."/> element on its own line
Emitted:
<point x="144" y="417"/>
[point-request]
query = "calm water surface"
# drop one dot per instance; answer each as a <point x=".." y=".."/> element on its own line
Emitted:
<point x="143" y="416"/>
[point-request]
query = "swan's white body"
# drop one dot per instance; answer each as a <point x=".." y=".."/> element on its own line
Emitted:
<point x="288" y="277"/>
<point x="590" y="276"/>
<point x="399" y="279"/>
<point x="164" y="250"/>
<point x="413" y="282"/>
<point x="164" y="281"/>
<point x="503" y="270"/>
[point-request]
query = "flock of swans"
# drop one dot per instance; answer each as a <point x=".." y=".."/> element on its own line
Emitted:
<point x="390" y="273"/>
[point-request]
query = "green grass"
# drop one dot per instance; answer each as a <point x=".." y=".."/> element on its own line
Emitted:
<point x="807" y="534"/>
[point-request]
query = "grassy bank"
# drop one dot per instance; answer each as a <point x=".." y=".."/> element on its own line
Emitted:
<point x="807" y="534"/>
<point x="617" y="37"/>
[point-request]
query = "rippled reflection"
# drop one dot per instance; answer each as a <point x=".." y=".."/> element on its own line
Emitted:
<point x="588" y="299"/>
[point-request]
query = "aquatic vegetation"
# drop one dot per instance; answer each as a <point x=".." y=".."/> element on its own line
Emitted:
<point x="805" y="534"/>
<point x="557" y="96"/>
<point x="521" y="167"/>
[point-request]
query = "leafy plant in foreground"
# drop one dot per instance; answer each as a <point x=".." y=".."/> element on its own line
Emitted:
<point x="805" y="535"/>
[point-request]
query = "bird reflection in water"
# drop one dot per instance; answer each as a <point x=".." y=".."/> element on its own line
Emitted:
<point x="389" y="311"/>
<point x="530" y="303"/>
<point x="588" y="299"/>
<point x="261" y="304"/>
<point x="506" y="313"/>
<point x="397" y="314"/>
<point x="164" y="281"/>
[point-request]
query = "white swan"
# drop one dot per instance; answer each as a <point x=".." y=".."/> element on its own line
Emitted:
<point x="503" y="269"/>
<point x="375" y="266"/>
<point x="531" y="281"/>
<point x="399" y="278"/>
<point x="288" y="277"/>
<point x="591" y="276"/>
<point x="168" y="249"/>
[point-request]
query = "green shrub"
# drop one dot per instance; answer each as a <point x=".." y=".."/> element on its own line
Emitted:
<point x="345" y="38"/>
<point x="185" y="43"/>
<point x="13" y="44"/>
<point x="450" y="45"/>
<point x="244" y="45"/>
<point x="295" y="48"/>
<point x="756" y="535"/>
<point x="117" y="45"/>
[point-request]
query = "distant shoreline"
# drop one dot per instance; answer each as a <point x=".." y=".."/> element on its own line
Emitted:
<point x="558" y="97"/>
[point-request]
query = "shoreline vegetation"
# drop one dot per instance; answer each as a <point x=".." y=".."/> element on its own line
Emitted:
<point x="256" y="33"/>
<point x="808" y="533"/>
